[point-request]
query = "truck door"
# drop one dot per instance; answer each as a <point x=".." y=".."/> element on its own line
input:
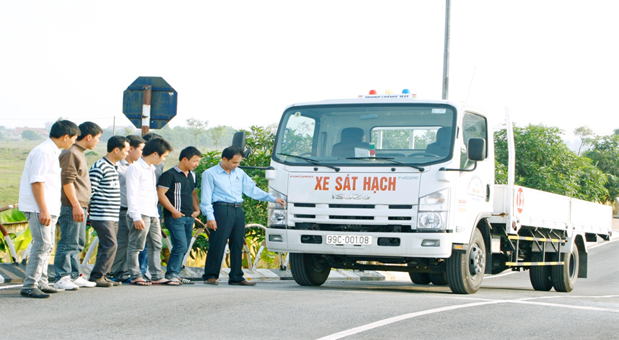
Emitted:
<point x="473" y="196"/>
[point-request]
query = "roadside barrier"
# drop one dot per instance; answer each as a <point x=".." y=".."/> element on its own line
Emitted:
<point x="253" y="265"/>
<point x="7" y="238"/>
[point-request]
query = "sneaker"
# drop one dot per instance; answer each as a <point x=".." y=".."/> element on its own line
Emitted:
<point x="66" y="284"/>
<point x="51" y="290"/>
<point x="81" y="282"/>
<point x="102" y="282"/>
<point x="34" y="293"/>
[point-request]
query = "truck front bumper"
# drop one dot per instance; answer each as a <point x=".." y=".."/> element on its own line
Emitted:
<point x="435" y="245"/>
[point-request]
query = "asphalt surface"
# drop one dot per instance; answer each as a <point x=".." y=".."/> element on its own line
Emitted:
<point x="506" y="307"/>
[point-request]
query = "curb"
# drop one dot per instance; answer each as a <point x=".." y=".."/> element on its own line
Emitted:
<point x="15" y="273"/>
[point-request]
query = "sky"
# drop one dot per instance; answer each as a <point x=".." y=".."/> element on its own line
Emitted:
<point x="240" y="63"/>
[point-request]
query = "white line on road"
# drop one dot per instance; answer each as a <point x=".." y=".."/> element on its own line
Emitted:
<point x="394" y="319"/>
<point x="400" y="318"/>
<point x="7" y="287"/>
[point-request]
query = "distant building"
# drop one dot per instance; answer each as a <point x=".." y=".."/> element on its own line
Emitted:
<point x="18" y="132"/>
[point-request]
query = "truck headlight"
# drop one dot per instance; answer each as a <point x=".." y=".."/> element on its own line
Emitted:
<point x="277" y="213"/>
<point x="433" y="210"/>
<point x="432" y="220"/>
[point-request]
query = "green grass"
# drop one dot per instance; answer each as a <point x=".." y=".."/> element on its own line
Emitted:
<point x="13" y="157"/>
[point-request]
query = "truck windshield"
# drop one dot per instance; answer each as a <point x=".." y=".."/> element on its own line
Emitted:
<point x="351" y="135"/>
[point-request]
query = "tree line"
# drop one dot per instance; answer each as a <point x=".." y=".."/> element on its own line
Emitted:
<point x="544" y="162"/>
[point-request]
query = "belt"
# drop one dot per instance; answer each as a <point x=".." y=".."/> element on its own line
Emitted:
<point x="236" y="205"/>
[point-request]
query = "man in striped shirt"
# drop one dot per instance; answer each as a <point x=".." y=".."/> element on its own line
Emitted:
<point x="105" y="207"/>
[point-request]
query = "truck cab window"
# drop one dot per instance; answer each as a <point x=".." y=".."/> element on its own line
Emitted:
<point x="298" y="136"/>
<point x="344" y="134"/>
<point x="473" y="126"/>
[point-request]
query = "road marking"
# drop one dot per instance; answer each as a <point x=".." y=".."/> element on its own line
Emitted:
<point x="7" y="287"/>
<point x="400" y="318"/>
<point x="597" y="309"/>
<point x="523" y="301"/>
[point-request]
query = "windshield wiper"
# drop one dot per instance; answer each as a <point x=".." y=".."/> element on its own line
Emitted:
<point x="421" y="169"/>
<point x="310" y="160"/>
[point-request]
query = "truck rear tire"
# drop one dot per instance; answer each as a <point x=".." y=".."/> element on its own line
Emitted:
<point x="465" y="269"/>
<point x="309" y="269"/>
<point x="439" y="279"/>
<point x="420" y="278"/>
<point x="564" y="277"/>
<point x="540" y="276"/>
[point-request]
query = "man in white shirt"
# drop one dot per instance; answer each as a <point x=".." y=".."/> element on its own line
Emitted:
<point x="120" y="272"/>
<point x="39" y="200"/>
<point x="143" y="214"/>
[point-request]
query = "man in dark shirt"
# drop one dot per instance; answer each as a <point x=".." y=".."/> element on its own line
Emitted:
<point x="178" y="196"/>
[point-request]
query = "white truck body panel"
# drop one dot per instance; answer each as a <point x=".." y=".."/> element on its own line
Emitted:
<point x="535" y="208"/>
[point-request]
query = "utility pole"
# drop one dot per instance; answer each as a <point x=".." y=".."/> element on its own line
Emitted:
<point x="446" y="51"/>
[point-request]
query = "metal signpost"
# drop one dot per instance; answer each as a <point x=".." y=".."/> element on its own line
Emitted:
<point x="149" y="103"/>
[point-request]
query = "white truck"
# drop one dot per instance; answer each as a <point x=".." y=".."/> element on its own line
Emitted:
<point x="391" y="182"/>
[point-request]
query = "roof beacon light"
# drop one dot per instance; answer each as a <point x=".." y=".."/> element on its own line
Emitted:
<point x="405" y="91"/>
<point x="372" y="91"/>
<point x="389" y="92"/>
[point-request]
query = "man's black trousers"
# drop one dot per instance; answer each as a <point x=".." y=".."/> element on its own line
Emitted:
<point x="230" y="226"/>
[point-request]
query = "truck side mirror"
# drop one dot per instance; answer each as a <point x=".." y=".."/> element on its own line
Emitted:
<point x="477" y="149"/>
<point x="239" y="140"/>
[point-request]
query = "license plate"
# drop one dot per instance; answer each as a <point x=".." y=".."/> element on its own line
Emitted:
<point x="349" y="240"/>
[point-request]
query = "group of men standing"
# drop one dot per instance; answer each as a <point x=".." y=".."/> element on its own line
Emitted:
<point x="120" y="195"/>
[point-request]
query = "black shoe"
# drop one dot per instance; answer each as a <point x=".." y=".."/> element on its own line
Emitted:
<point x="51" y="290"/>
<point x="242" y="283"/>
<point x="34" y="293"/>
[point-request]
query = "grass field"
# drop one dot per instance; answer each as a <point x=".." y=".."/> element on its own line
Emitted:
<point x="13" y="157"/>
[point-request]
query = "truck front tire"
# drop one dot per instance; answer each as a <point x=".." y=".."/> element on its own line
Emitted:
<point x="439" y="279"/>
<point x="309" y="269"/>
<point x="419" y="278"/>
<point x="465" y="269"/>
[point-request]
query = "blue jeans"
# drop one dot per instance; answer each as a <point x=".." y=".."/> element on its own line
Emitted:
<point x="181" y="231"/>
<point x="71" y="244"/>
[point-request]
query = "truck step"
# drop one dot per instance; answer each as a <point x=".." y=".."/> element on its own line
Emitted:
<point x="540" y="239"/>
<point x="534" y="264"/>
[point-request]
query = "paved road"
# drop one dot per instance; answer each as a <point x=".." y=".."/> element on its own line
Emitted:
<point x="505" y="308"/>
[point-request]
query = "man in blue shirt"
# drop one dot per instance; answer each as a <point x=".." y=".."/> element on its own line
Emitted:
<point x="223" y="187"/>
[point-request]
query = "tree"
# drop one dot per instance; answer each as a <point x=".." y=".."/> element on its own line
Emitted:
<point x="197" y="127"/>
<point x="585" y="134"/>
<point x="217" y="133"/>
<point x="544" y="162"/>
<point x="261" y="141"/>
<point x="128" y="130"/>
<point x="30" y="135"/>
<point x="605" y="156"/>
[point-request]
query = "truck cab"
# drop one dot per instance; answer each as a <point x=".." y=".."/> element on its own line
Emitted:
<point x="380" y="180"/>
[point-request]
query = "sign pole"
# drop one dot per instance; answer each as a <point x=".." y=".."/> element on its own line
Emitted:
<point x="446" y="51"/>
<point x="149" y="103"/>
<point x="147" y="91"/>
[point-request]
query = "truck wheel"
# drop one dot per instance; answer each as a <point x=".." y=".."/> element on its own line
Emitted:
<point x="439" y="279"/>
<point x="309" y="269"/>
<point x="465" y="269"/>
<point x="419" y="278"/>
<point x="564" y="277"/>
<point x="540" y="275"/>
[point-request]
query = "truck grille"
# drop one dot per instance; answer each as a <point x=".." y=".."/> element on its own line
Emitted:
<point x="354" y="217"/>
